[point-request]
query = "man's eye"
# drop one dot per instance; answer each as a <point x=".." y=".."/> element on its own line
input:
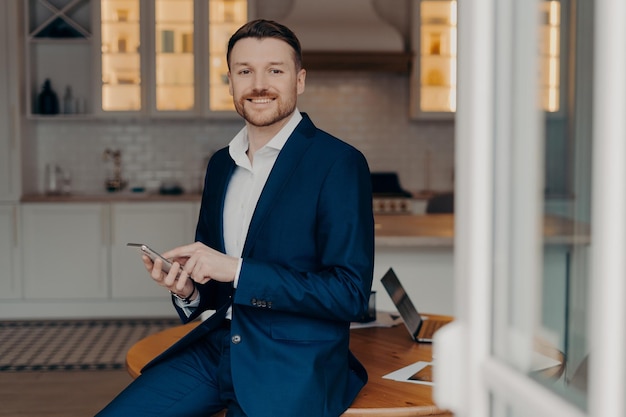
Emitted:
<point x="244" y="72"/>
<point x="275" y="71"/>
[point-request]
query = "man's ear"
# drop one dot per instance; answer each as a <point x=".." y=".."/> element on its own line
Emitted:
<point x="301" y="77"/>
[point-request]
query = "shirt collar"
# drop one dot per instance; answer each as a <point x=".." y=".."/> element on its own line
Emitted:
<point x="238" y="146"/>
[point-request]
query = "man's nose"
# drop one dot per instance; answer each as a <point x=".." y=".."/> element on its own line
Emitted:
<point x="260" y="81"/>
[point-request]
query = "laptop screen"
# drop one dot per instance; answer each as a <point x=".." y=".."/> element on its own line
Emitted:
<point x="405" y="307"/>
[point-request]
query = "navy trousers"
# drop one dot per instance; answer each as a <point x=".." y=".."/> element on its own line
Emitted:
<point x="196" y="382"/>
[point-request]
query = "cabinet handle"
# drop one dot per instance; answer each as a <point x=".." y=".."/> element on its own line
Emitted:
<point x="15" y="227"/>
<point x="13" y="127"/>
<point x="103" y="223"/>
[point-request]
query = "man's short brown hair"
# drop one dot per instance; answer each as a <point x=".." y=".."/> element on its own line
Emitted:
<point x="261" y="29"/>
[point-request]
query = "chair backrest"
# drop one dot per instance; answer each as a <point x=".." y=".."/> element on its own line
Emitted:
<point x="441" y="203"/>
<point x="387" y="183"/>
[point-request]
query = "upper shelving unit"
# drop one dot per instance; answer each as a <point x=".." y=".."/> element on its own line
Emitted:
<point x="225" y="17"/>
<point x="154" y="55"/>
<point x="59" y="19"/>
<point x="438" y="56"/>
<point x="175" y="79"/>
<point x="121" y="58"/>
<point x="58" y="42"/>
<point x="434" y="73"/>
<point x="550" y="55"/>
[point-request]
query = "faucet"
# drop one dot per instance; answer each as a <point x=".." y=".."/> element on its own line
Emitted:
<point x="116" y="183"/>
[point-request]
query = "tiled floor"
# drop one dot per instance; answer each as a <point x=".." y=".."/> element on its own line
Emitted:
<point x="80" y="364"/>
<point x="73" y="344"/>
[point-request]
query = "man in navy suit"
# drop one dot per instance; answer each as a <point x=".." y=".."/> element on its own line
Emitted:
<point x="284" y="254"/>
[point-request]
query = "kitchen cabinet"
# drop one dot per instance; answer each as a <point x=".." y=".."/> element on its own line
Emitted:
<point x="58" y="48"/>
<point x="433" y="74"/>
<point x="72" y="259"/>
<point x="161" y="226"/>
<point x="165" y="57"/>
<point x="552" y="73"/>
<point x="9" y="111"/>
<point x="65" y="251"/>
<point x="162" y="58"/>
<point x="434" y="70"/>
<point x="10" y="282"/>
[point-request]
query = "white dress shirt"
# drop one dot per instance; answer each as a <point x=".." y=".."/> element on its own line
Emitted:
<point x="244" y="189"/>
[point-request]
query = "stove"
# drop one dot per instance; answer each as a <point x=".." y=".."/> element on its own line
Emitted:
<point x="388" y="196"/>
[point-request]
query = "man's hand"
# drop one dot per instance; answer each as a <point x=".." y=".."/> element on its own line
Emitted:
<point x="202" y="263"/>
<point x="182" y="286"/>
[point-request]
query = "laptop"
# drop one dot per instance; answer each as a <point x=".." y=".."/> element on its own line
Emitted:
<point x="421" y="328"/>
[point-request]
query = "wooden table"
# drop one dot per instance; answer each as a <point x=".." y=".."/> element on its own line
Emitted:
<point x="381" y="350"/>
<point x="384" y="350"/>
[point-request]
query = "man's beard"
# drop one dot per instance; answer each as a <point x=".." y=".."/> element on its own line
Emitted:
<point x="284" y="110"/>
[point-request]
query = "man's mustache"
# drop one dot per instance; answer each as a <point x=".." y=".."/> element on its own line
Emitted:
<point x="259" y="94"/>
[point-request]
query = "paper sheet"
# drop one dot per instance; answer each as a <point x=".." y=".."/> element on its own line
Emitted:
<point x="422" y="372"/>
<point x="417" y="373"/>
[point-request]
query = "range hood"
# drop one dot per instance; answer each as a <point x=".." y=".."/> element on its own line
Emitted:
<point x="346" y="35"/>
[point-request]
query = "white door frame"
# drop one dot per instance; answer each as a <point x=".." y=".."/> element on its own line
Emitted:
<point x="498" y="143"/>
<point x="608" y="289"/>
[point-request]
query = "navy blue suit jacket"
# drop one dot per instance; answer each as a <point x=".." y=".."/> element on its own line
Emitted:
<point x="306" y="274"/>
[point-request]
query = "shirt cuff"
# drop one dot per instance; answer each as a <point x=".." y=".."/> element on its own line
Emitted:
<point x="188" y="308"/>
<point x="236" y="281"/>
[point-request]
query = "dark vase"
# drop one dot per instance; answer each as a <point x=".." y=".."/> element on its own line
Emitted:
<point x="48" y="102"/>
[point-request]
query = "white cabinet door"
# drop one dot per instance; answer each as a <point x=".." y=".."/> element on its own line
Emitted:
<point x="65" y="250"/>
<point x="9" y="149"/>
<point x="162" y="226"/>
<point x="10" y="282"/>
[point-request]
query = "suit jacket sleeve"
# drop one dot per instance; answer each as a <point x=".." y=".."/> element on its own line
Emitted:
<point x="310" y="247"/>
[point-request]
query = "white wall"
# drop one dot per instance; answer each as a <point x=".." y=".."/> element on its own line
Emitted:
<point x="368" y="110"/>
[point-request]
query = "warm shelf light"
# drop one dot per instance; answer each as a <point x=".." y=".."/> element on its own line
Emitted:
<point x="438" y="57"/>
<point x="174" y="33"/>
<point x="550" y="56"/>
<point x="225" y="17"/>
<point x="121" y="64"/>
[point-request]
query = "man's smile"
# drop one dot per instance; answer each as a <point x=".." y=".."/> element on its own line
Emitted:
<point x="261" y="100"/>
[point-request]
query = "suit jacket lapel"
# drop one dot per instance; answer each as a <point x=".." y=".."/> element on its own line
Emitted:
<point x="221" y="185"/>
<point x="288" y="159"/>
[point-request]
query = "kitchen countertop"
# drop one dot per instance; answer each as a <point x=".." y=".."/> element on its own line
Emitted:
<point x="113" y="197"/>
<point x="437" y="230"/>
<point x="414" y="230"/>
<point x="392" y="230"/>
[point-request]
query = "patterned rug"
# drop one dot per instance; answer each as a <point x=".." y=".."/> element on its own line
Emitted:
<point x="72" y="345"/>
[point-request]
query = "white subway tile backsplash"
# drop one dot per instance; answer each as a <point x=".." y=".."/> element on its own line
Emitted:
<point x="367" y="110"/>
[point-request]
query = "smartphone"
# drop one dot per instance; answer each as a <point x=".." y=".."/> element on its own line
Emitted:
<point x="153" y="255"/>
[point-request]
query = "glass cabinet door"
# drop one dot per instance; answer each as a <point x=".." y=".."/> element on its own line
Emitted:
<point x="438" y="56"/>
<point x="121" y="59"/>
<point x="174" y="52"/>
<point x="166" y="57"/>
<point x="435" y="67"/>
<point x="225" y="17"/>
<point x="550" y="55"/>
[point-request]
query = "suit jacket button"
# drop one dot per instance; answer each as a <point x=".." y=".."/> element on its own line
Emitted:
<point x="236" y="339"/>
<point x="253" y="301"/>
